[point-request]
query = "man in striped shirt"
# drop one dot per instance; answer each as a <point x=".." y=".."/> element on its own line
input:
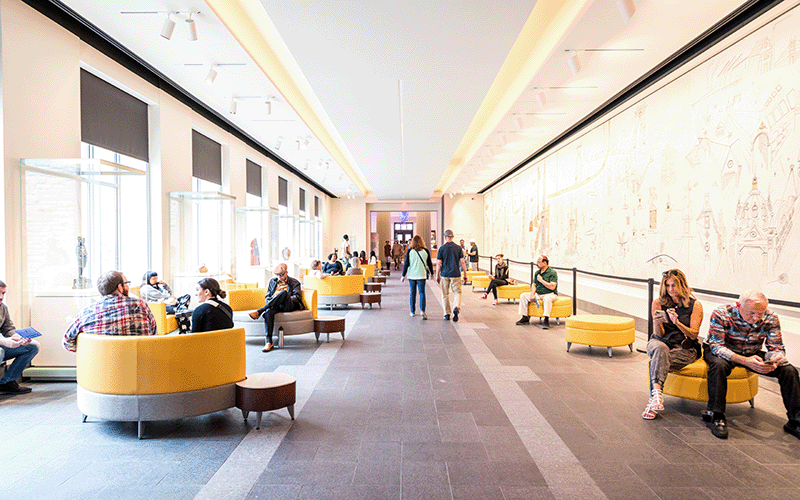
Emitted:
<point x="735" y="337"/>
<point x="116" y="314"/>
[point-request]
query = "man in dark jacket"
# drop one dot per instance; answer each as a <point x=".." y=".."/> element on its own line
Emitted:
<point x="284" y="294"/>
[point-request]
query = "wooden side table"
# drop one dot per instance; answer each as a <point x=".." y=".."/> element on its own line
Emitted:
<point x="262" y="392"/>
<point x="378" y="279"/>
<point x="371" y="298"/>
<point x="328" y="324"/>
<point x="372" y="287"/>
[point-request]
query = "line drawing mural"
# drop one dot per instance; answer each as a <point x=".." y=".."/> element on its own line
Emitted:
<point x="701" y="174"/>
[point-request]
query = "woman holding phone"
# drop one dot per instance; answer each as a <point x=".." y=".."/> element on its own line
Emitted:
<point x="677" y="316"/>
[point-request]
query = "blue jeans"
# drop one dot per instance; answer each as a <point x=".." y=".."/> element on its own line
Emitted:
<point x="23" y="356"/>
<point x="417" y="285"/>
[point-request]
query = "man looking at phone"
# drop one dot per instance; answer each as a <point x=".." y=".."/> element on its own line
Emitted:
<point x="735" y="337"/>
<point x="13" y="346"/>
<point x="544" y="289"/>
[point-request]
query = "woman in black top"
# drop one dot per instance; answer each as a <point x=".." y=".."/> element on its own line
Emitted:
<point x="677" y="316"/>
<point x="500" y="278"/>
<point x="333" y="266"/>
<point x="212" y="313"/>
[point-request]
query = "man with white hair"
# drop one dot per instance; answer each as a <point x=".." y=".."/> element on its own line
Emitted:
<point x="735" y="337"/>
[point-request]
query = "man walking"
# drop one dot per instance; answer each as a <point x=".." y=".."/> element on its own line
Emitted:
<point x="449" y="264"/>
<point x="544" y="289"/>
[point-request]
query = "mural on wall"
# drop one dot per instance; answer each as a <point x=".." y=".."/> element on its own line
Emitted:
<point x="702" y="175"/>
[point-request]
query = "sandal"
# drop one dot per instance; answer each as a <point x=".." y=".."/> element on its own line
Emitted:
<point x="657" y="400"/>
<point x="649" y="412"/>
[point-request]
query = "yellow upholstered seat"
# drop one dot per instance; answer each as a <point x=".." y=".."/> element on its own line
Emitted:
<point x="600" y="330"/>
<point x="512" y="292"/>
<point x="562" y="308"/>
<point x="336" y="289"/>
<point x="481" y="281"/>
<point x="250" y="299"/>
<point x="691" y="382"/>
<point x="369" y="271"/>
<point x="165" y="323"/>
<point x="471" y="274"/>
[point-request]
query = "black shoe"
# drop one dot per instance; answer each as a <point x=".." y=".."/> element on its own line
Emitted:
<point x="447" y="317"/>
<point x="793" y="428"/>
<point x="546" y="324"/>
<point x="719" y="428"/>
<point x="707" y="415"/>
<point x="455" y="314"/>
<point x="524" y="320"/>
<point x="13" y="388"/>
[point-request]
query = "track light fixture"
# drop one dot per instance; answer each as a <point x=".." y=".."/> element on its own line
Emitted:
<point x="268" y="102"/>
<point x="574" y="63"/>
<point x="306" y="142"/>
<point x="480" y="162"/>
<point x="306" y="167"/>
<point x="278" y="143"/>
<point x="518" y="123"/>
<point x="451" y="195"/>
<point x="169" y="26"/>
<point x="491" y="153"/>
<point x="192" y="28"/>
<point x="503" y="140"/>
<point x="212" y="75"/>
<point x="541" y="99"/>
<point x="232" y="109"/>
<point x="627" y="8"/>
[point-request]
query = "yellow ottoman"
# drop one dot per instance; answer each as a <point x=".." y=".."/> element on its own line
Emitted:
<point x="600" y="330"/>
<point x="512" y="292"/>
<point x="480" y="282"/>
<point x="471" y="274"/>
<point x="691" y="382"/>
<point x="562" y="308"/>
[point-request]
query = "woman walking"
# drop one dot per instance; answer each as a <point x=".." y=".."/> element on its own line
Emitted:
<point x="417" y="267"/>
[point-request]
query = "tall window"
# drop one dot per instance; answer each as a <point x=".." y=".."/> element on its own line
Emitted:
<point x="256" y="221"/>
<point x="207" y="218"/>
<point x="282" y="229"/>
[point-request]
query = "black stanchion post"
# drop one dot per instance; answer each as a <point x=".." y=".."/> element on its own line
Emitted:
<point x="532" y="272"/>
<point x="574" y="291"/>
<point x="650" y="284"/>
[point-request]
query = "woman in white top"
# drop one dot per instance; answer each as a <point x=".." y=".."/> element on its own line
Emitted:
<point x="373" y="259"/>
<point x="417" y="267"/>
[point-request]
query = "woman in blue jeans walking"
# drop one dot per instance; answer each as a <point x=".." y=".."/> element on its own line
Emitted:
<point x="417" y="267"/>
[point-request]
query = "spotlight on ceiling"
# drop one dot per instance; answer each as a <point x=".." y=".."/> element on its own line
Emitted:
<point x="574" y="64"/>
<point x="451" y="195"/>
<point x="232" y="109"/>
<point x="306" y="167"/>
<point x="480" y="162"/>
<point x="278" y="143"/>
<point x="268" y="102"/>
<point x="212" y="75"/>
<point x="169" y="26"/>
<point x="192" y="28"/>
<point x="541" y="99"/>
<point x="503" y="140"/>
<point x="306" y="142"/>
<point x="491" y="153"/>
<point x="518" y="123"/>
<point x="627" y="8"/>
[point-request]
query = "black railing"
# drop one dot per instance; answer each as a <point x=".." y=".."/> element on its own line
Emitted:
<point x="651" y="282"/>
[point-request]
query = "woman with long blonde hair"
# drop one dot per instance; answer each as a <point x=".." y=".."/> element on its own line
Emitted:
<point x="417" y="267"/>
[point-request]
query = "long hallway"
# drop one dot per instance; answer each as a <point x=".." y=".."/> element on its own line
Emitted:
<point x="413" y="409"/>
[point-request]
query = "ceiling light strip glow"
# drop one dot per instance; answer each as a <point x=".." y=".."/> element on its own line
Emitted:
<point x="549" y="22"/>
<point x="250" y="25"/>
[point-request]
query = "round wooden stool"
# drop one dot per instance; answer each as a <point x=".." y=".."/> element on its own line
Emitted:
<point x="262" y="392"/>
<point x="370" y="298"/>
<point x="328" y="324"/>
<point x="372" y="287"/>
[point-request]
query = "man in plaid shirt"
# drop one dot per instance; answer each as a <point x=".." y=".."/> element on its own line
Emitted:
<point x="735" y="337"/>
<point x="116" y="314"/>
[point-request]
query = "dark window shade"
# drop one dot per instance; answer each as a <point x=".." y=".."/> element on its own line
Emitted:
<point x="302" y="200"/>
<point x="206" y="158"/>
<point x="113" y="119"/>
<point x="253" y="178"/>
<point x="283" y="192"/>
<point x="316" y="206"/>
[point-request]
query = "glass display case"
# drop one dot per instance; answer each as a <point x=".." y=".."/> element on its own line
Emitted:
<point x="252" y="230"/>
<point x="79" y="219"/>
<point x="201" y="238"/>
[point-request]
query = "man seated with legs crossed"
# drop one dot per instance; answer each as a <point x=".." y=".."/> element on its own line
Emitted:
<point x="544" y="289"/>
<point x="13" y="346"/>
<point x="735" y="336"/>
<point x="284" y="294"/>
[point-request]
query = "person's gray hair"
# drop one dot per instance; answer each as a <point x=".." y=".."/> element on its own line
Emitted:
<point x="355" y="262"/>
<point x="752" y="296"/>
<point x="2" y="284"/>
<point x="448" y="233"/>
<point x="108" y="282"/>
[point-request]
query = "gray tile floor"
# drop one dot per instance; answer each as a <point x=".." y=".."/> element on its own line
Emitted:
<point x="409" y="409"/>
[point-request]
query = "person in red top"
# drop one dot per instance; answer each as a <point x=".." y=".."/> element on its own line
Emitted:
<point x="116" y="314"/>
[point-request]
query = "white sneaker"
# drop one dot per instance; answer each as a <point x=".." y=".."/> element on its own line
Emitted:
<point x="424" y="316"/>
<point x="412" y="314"/>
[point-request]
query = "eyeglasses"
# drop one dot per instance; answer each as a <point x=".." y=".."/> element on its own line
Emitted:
<point x="280" y="275"/>
<point x="126" y="283"/>
<point x="671" y="272"/>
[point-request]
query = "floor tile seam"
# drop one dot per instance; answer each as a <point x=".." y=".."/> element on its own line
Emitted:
<point x="531" y="410"/>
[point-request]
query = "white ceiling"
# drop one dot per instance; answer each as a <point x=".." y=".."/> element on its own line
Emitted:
<point x="402" y="80"/>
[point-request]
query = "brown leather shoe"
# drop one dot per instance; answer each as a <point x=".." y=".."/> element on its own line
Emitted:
<point x="255" y="314"/>
<point x="267" y="348"/>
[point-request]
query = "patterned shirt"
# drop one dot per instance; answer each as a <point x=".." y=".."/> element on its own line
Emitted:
<point x="730" y="334"/>
<point x="116" y="314"/>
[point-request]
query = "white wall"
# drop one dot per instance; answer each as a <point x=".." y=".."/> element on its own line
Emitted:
<point x="348" y="217"/>
<point x="463" y="213"/>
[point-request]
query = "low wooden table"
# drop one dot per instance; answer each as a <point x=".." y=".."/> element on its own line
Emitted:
<point x="371" y="298"/>
<point x="262" y="392"/>
<point x="372" y="287"/>
<point x="328" y="324"/>
<point x="386" y="273"/>
<point x="378" y="279"/>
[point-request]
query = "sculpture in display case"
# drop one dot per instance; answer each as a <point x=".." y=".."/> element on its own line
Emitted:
<point x="83" y="257"/>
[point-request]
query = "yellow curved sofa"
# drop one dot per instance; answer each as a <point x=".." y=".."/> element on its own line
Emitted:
<point x="245" y="300"/>
<point x="139" y="379"/>
<point x="337" y="289"/>
<point x="600" y="330"/>
<point x="369" y="271"/>
<point x="691" y="382"/>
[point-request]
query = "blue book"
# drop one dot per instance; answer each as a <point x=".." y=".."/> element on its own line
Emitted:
<point x="28" y="332"/>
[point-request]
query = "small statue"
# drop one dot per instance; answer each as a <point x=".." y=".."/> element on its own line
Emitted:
<point x="83" y="257"/>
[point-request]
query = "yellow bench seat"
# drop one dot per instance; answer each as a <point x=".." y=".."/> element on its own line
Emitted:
<point x="600" y="330"/>
<point x="691" y="382"/>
